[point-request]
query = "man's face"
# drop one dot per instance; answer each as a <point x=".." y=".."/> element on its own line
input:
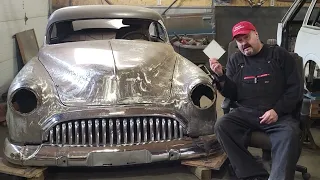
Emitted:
<point x="248" y="44"/>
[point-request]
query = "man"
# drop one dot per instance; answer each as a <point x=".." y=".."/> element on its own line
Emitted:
<point x="265" y="83"/>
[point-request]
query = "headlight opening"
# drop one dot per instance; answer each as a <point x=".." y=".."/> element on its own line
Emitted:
<point x="24" y="101"/>
<point x="203" y="96"/>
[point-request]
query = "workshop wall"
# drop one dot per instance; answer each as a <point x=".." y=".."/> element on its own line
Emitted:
<point x="275" y="3"/>
<point x="226" y="17"/>
<point x="12" y="21"/>
<point x="62" y="3"/>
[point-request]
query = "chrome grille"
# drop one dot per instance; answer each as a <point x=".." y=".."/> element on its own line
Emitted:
<point x="115" y="131"/>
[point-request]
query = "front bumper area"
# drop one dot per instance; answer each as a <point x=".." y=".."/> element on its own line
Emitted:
<point x="49" y="155"/>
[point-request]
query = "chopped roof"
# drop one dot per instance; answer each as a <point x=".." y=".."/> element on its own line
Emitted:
<point x="103" y="11"/>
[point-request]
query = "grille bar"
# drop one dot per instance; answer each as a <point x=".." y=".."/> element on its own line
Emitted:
<point x="70" y="132"/>
<point x="77" y="134"/>
<point x="118" y="131"/>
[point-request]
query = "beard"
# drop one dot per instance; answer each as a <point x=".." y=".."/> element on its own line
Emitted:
<point x="246" y="47"/>
<point x="247" y="50"/>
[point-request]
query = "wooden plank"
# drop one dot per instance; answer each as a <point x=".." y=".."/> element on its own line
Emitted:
<point x="315" y="103"/>
<point x="33" y="173"/>
<point x="201" y="172"/>
<point x="315" y="109"/>
<point x="41" y="177"/>
<point x="213" y="162"/>
<point x="28" y="45"/>
<point x="3" y="112"/>
<point x="202" y="168"/>
<point x="314" y="113"/>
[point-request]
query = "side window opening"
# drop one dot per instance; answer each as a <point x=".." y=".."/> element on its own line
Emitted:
<point x="157" y="32"/>
<point x="162" y="33"/>
<point x="293" y="21"/>
<point x="54" y="32"/>
<point x="152" y="30"/>
<point x="314" y="19"/>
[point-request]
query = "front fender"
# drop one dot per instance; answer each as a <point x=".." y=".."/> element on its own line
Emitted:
<point x="195" y="97"/>
<point x="24" y="126"/>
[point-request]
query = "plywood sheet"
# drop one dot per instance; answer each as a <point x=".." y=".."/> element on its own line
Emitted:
<point x="28" y="44"/>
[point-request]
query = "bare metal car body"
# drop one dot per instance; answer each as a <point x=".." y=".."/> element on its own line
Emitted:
<point x="93" y="97"/>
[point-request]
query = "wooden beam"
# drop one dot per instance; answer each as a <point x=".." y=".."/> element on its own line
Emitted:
<point x="31" y="173"/>
<point x="201" y="172"/>
<point x="213" y="162"/>
<point x="202" y="168"/>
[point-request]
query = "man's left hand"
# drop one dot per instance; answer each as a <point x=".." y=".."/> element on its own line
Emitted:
<point x="269" y="117"/>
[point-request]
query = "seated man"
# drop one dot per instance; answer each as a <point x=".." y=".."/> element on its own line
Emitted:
<point x="266" y="85"/>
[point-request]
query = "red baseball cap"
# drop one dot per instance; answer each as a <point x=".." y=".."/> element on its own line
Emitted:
<point x="243" y="27"/>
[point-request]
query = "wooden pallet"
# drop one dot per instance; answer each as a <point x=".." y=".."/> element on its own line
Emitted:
<point x="30" y="173"/>
<point x="315" y="109"/>
<point x="202" y="168"/>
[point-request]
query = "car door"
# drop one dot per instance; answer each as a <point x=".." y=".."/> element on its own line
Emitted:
<point x="308" y="37"/>
<point x="290" y="24"/>
<point x="307" y="46"/>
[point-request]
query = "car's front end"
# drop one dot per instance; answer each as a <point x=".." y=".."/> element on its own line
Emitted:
<point x="102" y="137"/>
<point x="123" y="106"/>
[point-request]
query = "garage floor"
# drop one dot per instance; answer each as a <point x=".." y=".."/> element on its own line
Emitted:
<point x="164" y="171"/>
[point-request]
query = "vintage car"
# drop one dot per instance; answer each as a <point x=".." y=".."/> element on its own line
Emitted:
<point x="107" y="89"/>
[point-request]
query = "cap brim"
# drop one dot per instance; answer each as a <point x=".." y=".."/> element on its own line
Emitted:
<point x="244" y="32"/>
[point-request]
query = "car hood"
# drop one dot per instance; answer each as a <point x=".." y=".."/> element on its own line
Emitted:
<point x="110" y="72"/>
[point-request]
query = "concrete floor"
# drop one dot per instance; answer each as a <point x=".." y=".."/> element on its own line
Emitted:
<point x="165" y="171"/>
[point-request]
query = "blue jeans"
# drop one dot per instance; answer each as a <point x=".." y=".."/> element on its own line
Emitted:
<point x="233" y="130"/>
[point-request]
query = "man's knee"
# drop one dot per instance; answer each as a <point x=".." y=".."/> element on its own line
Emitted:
<point x="290" y="134"/>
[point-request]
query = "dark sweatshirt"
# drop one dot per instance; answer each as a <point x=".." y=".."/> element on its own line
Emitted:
<point x="267" y="80"/>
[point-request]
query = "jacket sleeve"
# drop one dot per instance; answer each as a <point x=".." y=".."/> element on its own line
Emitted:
<point x="228" y="87"/>
<point x="293" y="88"/>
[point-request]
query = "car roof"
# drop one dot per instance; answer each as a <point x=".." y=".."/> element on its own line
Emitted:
<point x="102" y="11"/>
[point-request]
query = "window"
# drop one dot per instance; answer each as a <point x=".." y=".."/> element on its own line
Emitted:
<point x="162" y="33"/>
<point x="98" y="24"/>
<point x="54" y="31"/>
<point x="157" y="32"/>
<point x="152" y="30"/>
<point x="314" y="19"/>
<point x="103" y="29"/>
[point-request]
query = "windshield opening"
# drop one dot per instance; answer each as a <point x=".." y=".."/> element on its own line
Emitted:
<point x="103" y="29"/>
